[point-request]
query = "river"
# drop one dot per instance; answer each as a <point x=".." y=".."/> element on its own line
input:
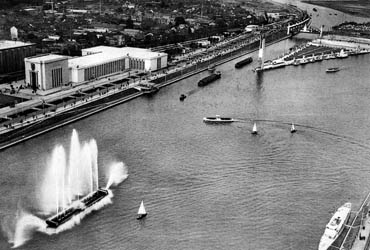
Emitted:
<point x="216" y="187"/>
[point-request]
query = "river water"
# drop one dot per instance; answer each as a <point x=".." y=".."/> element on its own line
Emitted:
<point x="212" y="186"/>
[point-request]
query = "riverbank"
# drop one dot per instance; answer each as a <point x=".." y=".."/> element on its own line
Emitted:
<point x="56" y="120"/>
<point x="356" y="7"/>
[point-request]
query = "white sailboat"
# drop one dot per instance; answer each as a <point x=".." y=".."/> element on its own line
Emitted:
<point x="141" y="213"/>
<point x="293" y="129"/>
<point x="254" y="130"/>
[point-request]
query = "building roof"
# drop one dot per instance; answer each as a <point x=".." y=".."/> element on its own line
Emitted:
<point x="95" y="59"/>
<point x="128" y="51"/>
<point x="8" y="44"/>
<point x="46" y="58"/>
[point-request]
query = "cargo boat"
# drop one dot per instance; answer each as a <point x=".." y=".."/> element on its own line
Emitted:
<point x="243" y="62"/>
<point x="76" y="208"/>
<point x="209" y="79"/>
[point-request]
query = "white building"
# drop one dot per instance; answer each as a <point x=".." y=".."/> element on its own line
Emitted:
<point x="142" y="59"/>
<point x="47" y="71"/>
<point x="51" y="71"/>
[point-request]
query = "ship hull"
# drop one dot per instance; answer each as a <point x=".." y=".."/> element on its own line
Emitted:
<point x="76" y="208"/>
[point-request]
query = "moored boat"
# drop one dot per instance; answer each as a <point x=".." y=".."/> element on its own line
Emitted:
<point x="147" y="88"/>
<point x="211" y="68"/>
<point x="218" y="119"/>
<point x="335" y="226"/>
<point x="211" y="78"/>
<point x="243" y="62"/>
<point x="342" y="54"/>
<point x="142" y="212"/>
<point x="332" y="70"/>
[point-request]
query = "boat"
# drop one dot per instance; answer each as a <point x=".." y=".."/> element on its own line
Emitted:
<point x="182" y="97"/>
<point x="243" y="62"/>
<point x="211" y="78"/>
<point x="332" y="70"/>
<point x="293" y="129"/>
<point x="76" y="207"/>
<point x="141" y="213"/>
<point x="335" y="226"/>
<point x="211" y="68"/>
<point x="218" y="119"/>
<point x="147" y="88"/>
<point x="314" y="9"/>
<point x="342" y="54"/>
<point x="254" y="130"/>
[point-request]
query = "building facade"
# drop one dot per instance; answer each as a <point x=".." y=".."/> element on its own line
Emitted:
<point x="46" y="72"/>
<point x="12" y="55"/>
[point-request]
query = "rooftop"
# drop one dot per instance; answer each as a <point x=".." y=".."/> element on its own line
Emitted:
<point x="8" y="44"/>
<point x="95" y="59"/>
<point x="128" y="51"/>
<point x="46" y="58"/>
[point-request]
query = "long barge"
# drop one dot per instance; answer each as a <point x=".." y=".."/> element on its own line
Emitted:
<point x="209" y="79"/>
<point x="76" y="208"/>
<point x="243" y="62"/>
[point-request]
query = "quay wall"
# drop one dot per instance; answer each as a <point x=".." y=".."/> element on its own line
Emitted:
<point x="47" y="122"/>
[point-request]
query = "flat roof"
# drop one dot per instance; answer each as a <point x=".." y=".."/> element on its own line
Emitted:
<point x="128" y="51"/>
<point x="8" y="44"/>
<point x="46" y="58"/>
<point x="95" y="59"/>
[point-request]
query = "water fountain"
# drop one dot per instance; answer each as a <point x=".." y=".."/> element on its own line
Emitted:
<point x="70" y="190"/>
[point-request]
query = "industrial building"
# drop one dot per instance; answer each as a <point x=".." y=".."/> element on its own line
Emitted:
<point x="52" y="71"/>
<point x="12" y="54"/>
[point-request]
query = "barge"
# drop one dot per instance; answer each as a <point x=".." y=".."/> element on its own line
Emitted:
<point x="76" y="208"/>
<point x="243" y="62"/>
<point x="209" y="79"/>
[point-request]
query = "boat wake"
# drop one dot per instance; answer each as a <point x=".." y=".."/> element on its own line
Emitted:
<point x="344" y="138"/>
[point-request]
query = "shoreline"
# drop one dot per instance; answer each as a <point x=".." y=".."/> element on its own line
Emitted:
<point x="32" y="130"/>
<point x="358" y="8"/>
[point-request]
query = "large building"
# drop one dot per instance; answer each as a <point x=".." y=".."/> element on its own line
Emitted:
<point x="12" y="54"/>
<point x="51" y="71"/>
<point x="47" y="71"/>
<point x="142" y="59"/>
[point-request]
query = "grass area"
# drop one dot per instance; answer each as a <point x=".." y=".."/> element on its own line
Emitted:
<point x="352" y="7"/>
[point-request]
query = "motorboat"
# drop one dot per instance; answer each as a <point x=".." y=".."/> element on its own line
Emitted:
<point x="218" y="119"/>
<point x="182" y="97"/>
<point x="332" y="70"/>
<point x="335" y="226"/>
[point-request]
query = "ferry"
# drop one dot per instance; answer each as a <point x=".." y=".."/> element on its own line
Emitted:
<point x="211" y="78"/>
<point x="76" y="207"/>
<point x="335" y="226"/>
<point x="332" y="70"/>
<point x="218" y="119"/>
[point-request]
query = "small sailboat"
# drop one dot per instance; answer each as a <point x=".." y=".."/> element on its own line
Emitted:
<point x="254" y="130"/>
<point x="141" y="213"/>
<point x="293" y="129"/>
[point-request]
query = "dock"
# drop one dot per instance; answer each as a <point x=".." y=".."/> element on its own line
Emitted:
<point x="319" y="50"/>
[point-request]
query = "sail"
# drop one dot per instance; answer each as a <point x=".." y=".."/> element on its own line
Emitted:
<point x="292" y="127"/>
<point x="255" y="128"/>
<point x="141" y="208"/>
